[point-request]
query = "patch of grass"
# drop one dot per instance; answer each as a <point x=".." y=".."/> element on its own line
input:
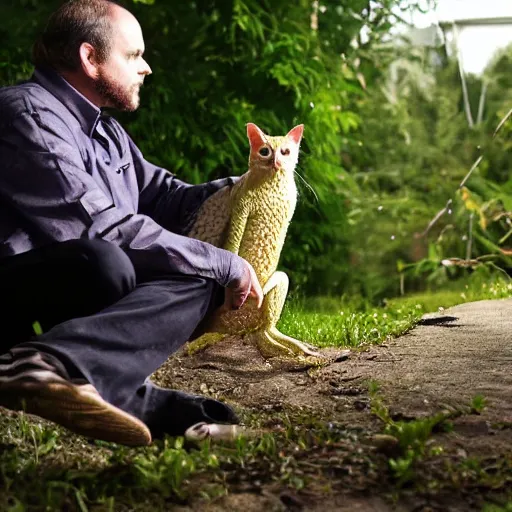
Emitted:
<point x="52" y="473"/>
<point x="478" y="286"/>
<point x="165" y="468"/>
<point x="71" y="476"/>
<point x="411" y="436"/>
<point x="478" y="404"/>
<point x="341" y="322"/>
<point x="347" y="328"/>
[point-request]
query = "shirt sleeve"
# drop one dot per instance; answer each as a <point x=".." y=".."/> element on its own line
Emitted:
<point x="45" y="179"/>
<point x="169" y="201"/>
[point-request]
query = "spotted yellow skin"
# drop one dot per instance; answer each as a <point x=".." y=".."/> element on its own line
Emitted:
<point x="251" y="219"/>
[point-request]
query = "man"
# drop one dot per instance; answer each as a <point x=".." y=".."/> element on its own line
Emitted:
<point x="92" y="245"/>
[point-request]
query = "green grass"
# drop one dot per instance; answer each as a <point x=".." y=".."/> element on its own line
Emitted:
<point x="347" y="328"/>
<point x="81" y="475"/>
<point x="338" y="322"/>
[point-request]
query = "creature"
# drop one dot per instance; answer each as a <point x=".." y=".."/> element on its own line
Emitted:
<point x="251" y="219"/>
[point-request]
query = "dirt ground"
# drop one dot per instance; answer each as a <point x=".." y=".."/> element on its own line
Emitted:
<point x="443" y="363"/>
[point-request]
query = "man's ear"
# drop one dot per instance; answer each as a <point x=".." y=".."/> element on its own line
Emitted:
<point x="89" y="60"/>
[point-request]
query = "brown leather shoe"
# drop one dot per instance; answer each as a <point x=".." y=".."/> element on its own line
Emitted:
<point x="36" y="389"/>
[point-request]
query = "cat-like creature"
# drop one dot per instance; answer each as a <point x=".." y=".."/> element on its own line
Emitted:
<point x="251" y="219"/>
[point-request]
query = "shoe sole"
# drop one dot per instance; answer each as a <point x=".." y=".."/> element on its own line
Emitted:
<point x="79" y="408"/>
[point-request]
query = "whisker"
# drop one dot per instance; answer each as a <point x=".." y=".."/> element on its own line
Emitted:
<point x="307" y="185"/>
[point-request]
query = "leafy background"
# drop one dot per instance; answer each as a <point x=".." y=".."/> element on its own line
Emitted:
<point x="387" y="143"/>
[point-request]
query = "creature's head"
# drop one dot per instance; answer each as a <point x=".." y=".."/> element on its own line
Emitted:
<point x="272" y="155"/>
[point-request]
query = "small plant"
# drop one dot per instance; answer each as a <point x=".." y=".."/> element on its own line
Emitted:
<point x="378" y="407"/>
<point x="478" y="403"/>
<point x="412" y="436"/>
<point x="166" y="469"/>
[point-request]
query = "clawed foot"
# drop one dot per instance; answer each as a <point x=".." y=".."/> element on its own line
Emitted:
<point x="272" y="343"/>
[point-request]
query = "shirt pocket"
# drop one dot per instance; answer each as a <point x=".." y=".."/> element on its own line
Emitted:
<point x="95" y="202"/>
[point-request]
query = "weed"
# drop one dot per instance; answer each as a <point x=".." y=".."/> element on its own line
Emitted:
<point x="166" y="469"/>
<point x="411" y="436"/>
<point x="478" y="403"/>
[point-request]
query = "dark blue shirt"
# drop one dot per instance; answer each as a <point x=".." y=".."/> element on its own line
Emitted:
<point x="67" y="171"/>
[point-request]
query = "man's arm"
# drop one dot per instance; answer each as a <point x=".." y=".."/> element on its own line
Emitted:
<point x="168" y="200"/>
<point x="44" y="178"/>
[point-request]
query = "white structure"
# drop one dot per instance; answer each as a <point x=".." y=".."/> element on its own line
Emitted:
<point x="473" y="31"/>
<point x="482" y="27"/>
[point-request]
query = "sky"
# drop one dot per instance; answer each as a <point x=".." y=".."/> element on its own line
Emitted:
<point x="476" y="44"/>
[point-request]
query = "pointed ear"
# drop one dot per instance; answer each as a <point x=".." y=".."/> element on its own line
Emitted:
<point x="296" y="133"/>
<point x="255" y="135"/>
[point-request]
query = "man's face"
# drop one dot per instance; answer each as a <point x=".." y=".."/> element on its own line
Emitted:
<point x="121" y="76"/>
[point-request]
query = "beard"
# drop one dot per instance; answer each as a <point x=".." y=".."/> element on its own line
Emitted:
<point x="117" y="96"/>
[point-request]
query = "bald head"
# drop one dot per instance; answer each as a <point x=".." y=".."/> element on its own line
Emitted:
<point x="98" y="47"/>
<point x="126" y="30"/>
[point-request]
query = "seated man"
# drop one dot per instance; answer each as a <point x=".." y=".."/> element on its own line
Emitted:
<point x="92" y="245"/>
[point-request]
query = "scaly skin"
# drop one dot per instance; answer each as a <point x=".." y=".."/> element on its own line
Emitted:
<point x="251" y="220"/>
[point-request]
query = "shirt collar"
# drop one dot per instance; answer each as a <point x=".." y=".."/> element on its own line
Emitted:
<point x="86" y="112"/>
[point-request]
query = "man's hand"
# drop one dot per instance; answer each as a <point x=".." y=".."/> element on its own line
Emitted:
<point x="248" y="286"/>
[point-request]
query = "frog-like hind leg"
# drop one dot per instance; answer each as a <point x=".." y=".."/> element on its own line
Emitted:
<point x="293" y="345"/>
<point x="273" y="343"/>
<point x="270" y="341"/>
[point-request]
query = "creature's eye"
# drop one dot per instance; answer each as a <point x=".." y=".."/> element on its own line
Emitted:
<point x="264" y="151"/>
<point x="285" y="151"/>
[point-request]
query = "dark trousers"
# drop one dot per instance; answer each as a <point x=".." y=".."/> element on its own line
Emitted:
<point x="109" y="324"/>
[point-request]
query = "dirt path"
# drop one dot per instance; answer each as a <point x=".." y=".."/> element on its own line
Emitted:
<point x="447" y="360"/>
<point x="453" y="356"/>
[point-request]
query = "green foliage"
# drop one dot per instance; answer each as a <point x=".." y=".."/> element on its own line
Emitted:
<point x="411" y="436"/>
<point x="219" y="64"/>
<point x="478" y="404"/>
<point x="165" y="469"/>
<point x="414" y="168"/>
<point x="496" y="508"/>
<point x="348" y="321"/>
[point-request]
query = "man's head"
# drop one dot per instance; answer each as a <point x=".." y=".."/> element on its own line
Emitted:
<point x="97" y="45"/>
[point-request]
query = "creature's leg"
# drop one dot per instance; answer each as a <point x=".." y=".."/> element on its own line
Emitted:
<point x="271" y="342"/>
